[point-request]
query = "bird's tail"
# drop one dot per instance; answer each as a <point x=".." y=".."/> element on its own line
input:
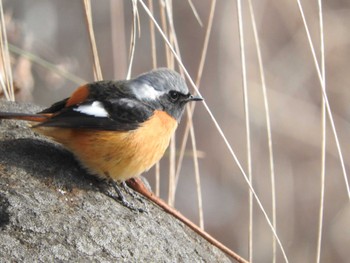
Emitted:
<point x="25" y="116"/>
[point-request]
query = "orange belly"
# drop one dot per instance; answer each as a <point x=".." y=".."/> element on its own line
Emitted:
<point x="118" y="155"/>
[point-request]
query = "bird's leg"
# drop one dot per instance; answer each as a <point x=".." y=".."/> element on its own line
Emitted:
<point x="127" y="189"/>
<point x="130" y="191"/>
<point x="122" y="198"/>
<point x="133" y="194"/>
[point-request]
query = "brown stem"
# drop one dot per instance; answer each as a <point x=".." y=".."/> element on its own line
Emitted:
<point x="138" y="186"/>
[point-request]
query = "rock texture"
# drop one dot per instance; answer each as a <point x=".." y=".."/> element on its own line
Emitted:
<point x="51" y="210"/>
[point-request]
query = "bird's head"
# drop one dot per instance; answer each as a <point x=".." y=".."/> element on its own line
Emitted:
<point x="165" y="89"/>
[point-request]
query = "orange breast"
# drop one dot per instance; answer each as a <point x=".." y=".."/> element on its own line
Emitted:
<point x="118" y="155"/>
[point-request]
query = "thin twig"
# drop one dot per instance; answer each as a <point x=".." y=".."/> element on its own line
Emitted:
<point x="133" y="37"/>
<point x="324" y="94"/>
<point x="196" y="169"/>
<point x="47" y="65"/>
<point x="5" y="59"/>
<point x="153" y="37"/>
<point x="164" y="27"/>
<point x="324" y="139"/>
<point x="157" y="175"/>
<point x="163" y="18"/>
<point x="247" y="125"/>
<point x="154" y="65"/>
<point x="172" y="161"/>
<point x="118" y="39"/>
<point x="220" y="131"/>
<point x="198" y="80"/>
<point x="96" y="61"/>
<point x="268" y="127"/>
<point x="165" y="6"/>
<point x="138" y="186"/>
<point x="172" y="33"/>
<point x="194" y="10"/>
<point x="173" y="39"/>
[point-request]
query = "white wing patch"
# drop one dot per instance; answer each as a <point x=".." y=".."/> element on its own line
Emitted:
<point x="146" y="92"/>
<point x="95" y="109"/>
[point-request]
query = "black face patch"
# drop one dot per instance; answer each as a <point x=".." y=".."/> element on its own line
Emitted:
<point x="173" y="105"/>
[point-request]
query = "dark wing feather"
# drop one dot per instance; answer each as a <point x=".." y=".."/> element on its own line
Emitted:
<point x="124" y="115"/>
<point x="56" y="107"/>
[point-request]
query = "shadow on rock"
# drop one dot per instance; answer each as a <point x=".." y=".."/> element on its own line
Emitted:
<point x="48" y="162"/>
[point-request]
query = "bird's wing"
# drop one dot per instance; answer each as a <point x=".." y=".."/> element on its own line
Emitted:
<point x="119" y="114"/>
<point x="56" y="107"/>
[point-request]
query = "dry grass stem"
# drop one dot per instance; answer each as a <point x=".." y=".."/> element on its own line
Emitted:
<point x="133" y="36"/>
<point x="171" y="63"/>
<point x="268" y="128"/>
<point x="153" y="37"/>
<point x="325" y="97"/>
<point x="324" y="138"/>
<point x="172" y="34"/>
<point x="154" y="65"/>
<point x="272" y="126"/>
<point x="172" y="161"/>
<point x="166" y="20"/>
<point x="118" y="39"/>
<point x="96" y="61"/>
<point x="47" y="65"/>
<point x="164" y="27"/>
<point x="196" y="169"/>
<point x="195" y="13"/>
<point x="247" y="125"/>
<point x="198" y="79"/>
<point x="220" y="131"/>
<point x="7" y="85"/>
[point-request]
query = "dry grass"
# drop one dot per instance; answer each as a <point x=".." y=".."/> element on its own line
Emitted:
<point x="293" y="147"/>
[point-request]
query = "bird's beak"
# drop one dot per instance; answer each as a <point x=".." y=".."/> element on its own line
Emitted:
<point x="194" y="98"/>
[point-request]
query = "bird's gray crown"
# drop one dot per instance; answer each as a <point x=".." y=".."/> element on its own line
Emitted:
<point x="162" y="89"/>
<point x="153" y="84"/>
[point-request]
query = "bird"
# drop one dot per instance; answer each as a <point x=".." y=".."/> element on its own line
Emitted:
<point x="116" y="129"/>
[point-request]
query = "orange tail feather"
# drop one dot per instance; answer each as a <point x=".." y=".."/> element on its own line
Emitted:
<point x="25" y="116"/>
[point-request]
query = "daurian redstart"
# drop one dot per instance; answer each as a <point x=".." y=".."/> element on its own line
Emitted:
<point x="116" y="129"/>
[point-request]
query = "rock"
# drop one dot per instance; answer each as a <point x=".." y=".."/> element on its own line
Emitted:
<point x="52" y="210"/>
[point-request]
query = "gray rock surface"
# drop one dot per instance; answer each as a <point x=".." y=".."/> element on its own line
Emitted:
<point x="51" y="210"/>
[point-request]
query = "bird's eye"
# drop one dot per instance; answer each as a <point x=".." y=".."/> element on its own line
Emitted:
<point x="174" y="95"/>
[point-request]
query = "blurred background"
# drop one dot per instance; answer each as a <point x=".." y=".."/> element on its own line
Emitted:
<point x="48" y="36"/>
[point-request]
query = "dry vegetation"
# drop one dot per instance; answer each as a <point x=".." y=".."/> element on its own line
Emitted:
<point x="51" y="55"/>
